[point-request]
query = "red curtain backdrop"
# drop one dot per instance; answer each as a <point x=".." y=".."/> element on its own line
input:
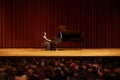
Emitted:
<point x="22" y="22"/>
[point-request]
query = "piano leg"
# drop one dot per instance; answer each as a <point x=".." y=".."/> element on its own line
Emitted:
<point x="56" y="47"/>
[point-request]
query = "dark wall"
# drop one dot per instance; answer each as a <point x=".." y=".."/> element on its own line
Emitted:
<point x="22" y="22"/>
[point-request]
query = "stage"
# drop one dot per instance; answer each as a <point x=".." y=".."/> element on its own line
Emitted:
<point x="60" y="52"/>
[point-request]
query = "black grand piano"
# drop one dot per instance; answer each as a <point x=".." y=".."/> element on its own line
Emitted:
<point x="70" y="36"/>
<point x="65" y="35"/>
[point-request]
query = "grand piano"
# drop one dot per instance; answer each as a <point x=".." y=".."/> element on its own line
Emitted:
<point x="70" y="36"/>
<point x="65" y="35"/>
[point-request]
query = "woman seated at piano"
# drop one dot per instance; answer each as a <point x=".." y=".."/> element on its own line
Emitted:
<point x="46" y="42"/>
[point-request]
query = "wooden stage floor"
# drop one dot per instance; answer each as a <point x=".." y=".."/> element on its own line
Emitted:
<point x="60" y="52"/>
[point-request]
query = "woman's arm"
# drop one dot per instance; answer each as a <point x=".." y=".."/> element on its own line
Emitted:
<point x="47" y="39"/>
